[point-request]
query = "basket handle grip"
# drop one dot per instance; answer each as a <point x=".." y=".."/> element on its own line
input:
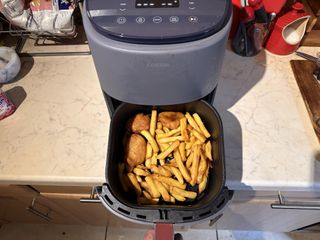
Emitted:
<point x="164" y="231"/>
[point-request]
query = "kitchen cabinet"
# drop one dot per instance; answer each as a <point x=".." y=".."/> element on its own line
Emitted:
<point x="252" y="211"/>
<point x="24" y="204"/>
<point x="29" y="205"/>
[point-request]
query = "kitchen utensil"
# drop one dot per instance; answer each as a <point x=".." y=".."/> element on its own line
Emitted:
<point x="288" y="31"/>
<point x="205" y="206"/>
<point x="274" y="5"/>
<point x="259" y="10"/>
<point x="310" y="90"/>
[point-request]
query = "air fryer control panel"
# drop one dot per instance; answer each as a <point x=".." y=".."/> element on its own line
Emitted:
<point x="144" y="20"/>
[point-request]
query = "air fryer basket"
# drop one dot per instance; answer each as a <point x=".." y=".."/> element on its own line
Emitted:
<point x="214" y="198"/>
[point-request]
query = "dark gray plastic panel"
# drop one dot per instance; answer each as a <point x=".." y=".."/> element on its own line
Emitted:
<point x="121" y="18"/>
<point x="157" y="74"/>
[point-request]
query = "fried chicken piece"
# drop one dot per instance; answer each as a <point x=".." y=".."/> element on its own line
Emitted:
<point x="138" y="123"/>
<point x="135" y="150"/>
<point x="170" y="120"/>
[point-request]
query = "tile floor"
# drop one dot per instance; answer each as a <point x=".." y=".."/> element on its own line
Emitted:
<point x="70" y="232"/>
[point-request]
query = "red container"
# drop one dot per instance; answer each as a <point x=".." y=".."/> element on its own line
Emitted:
<point x="274" y="5"/>
<point x="288" y="31"/>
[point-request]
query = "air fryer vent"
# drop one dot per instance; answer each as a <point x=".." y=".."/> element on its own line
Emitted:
<point x="108" y="199"/>
<point x="187" y="218"/>
<point x="141" y="216"/>
<point x="205" y="214"/>
<point x="124" y="211"/>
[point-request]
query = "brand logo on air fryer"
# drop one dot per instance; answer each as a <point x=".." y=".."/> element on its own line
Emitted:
<point x="158" y="65"/>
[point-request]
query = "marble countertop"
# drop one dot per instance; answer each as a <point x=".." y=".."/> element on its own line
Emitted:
<point x="59" y="133"/>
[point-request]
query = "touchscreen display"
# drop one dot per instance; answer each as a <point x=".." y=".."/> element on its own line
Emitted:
<point x="157" y="3"/>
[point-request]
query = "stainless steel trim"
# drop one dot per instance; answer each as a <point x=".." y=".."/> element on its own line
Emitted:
<point x="36" y="212"/>
<point x="294" y="206"/>
<point x="92" y="199"/>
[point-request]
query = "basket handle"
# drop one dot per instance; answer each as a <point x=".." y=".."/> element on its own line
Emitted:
<point x="164" y="231"/>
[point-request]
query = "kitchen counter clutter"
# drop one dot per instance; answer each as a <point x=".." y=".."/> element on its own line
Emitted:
<point x="59" y="133"/>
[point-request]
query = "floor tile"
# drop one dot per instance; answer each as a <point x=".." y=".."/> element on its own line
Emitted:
<point x="51" y="232"/>
<point x="120" y="233"/>
<point x="256" y="235"/>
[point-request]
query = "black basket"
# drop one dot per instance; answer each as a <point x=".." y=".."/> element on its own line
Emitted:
<point x="211" y="201"/>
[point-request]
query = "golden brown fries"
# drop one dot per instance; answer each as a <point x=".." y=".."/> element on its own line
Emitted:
<point x="163" y="191"/>
<point x="195" y="165"/>
<point x="201" y="125"/>
<point x="169" y="150"/>
<point x="153" y="122"/>
<point x="140" y="172"/>
<point x="169" y="181"/>
<point x="151" y="140"/>
<point x="134" y="183"/>
<point x="208" y="149"/>
<point x="185" y="157"/>
<point x="181" y="166"/>
<point x="153" y="189"/>
<point x="182" y="150"/>
<point x="183" y="193"/>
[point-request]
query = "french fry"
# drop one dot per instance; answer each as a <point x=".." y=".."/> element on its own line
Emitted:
<point x="172" y="199"/>
<point x="167" y="167"/>
<point x="145" y="185"/>
<point x="192" y="122"/>
<point x="170" y="139"/>
<point x="160" y="170"/>
<point x="189" y="160"/>
<point x="153" y="122"/>
<point x="203" y="184"/>
<point x="183" y="127"/>
<point x="170" y="149"/>
<point x="173" y="163"/>
<point x="149" y="151"/>
<point x="208" y="150"/>
<point x="141" y="166"/>
<point x="147" y="163"/>
<point x="188" y="152"/>
<point x="177" y="174"/>
<point x="140" y="172"/>
<point x="153" y="190"/>
<point x="154" y="160"/>
<point x="182" y="150"/>
<point x="195" y="165"/>
<point x="134" y="183"/>
<point x="183" y="193"/>
<point x="162" y="162"/>
<point x="178" y="197"/>
<point x="170" y="133"/>
<point x="165" y="129"/>
<point x="159" y="131"/>
<point x="163" y="146"/>
<point x="159" y="125"/>
<point x="190" y="144"/>
<point x="151" y="140"/>
<point x="181" y="166"/>
<point x="163" y="191"/>
<point x="166" y="186"/>
<point x="169" y="181"/>
<point x="202" y="168"/>
<point x="146" y="194"/>
<point x="139" y="179"/>
<point x="142" y="200"/>
<point x="199" y="136"/>
<point x="201" y="125"/>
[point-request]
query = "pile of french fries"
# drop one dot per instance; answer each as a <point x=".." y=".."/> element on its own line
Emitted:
<point x="190" y="152"/>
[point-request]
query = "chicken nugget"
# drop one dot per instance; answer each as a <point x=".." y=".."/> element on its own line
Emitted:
<point x="138" y="123"/>
<point x="135" y="150"/>
<point x="170" y="120"/>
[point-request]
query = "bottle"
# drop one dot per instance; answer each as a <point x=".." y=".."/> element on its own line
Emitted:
<point x="6" y="106"/>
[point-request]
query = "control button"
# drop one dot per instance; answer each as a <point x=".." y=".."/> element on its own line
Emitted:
<point x="174" y="19"/>
<point x="193" y="19"/>
<point x="140" y="20"/>
<point x="123" y="4"/>
<point x="157" y="19"/>
<point x="122" y="9"/>
<point x="192" y="8"/>
<point x="121" y="20"/>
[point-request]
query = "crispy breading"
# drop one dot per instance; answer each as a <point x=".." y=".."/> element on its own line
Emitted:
<point x="135" y="150"/>
<point x="170" y="120"/>
<point x="138" y="123"/>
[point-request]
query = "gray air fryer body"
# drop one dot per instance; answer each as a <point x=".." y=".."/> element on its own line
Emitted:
<point x="157" y="52"/>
